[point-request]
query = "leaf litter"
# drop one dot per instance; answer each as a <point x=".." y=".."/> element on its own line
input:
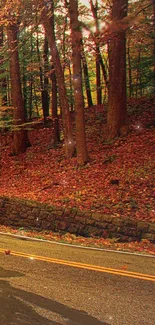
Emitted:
<point x="119" y="179"/>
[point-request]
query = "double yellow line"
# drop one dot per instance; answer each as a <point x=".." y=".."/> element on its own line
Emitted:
<point x="97" y="268"/>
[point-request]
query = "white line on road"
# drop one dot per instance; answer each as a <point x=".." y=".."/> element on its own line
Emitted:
<point x="76" y="246"/>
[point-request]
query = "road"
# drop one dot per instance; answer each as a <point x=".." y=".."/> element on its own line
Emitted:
<point x="49" y="284"/>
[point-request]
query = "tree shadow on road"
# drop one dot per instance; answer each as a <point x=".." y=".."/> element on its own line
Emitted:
<point x="17" y="307"/>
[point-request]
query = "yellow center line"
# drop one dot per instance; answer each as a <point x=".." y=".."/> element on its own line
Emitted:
<point x="97" y="268"/>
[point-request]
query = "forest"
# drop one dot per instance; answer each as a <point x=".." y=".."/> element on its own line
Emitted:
<point x="77" y="99"/>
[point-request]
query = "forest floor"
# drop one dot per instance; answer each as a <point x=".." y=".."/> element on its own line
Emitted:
<point x="119" y="179"/>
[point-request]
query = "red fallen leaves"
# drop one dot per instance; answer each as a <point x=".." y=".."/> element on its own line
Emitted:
<point x="124" y="267"/>
<point x="8" y="252"/>
<point x="43" y="173"/>
<point x="142" y="247"/>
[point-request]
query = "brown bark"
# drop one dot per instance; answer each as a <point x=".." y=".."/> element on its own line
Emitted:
<point x="117" y="74"/>
<point x="54" y="108"/>
<point x="31" y="81"/>
<point x="64" y="52"/>
<point x="129" y="70"/>
<point x="153" y="3"/>
<point x="94" y="9"/>
<point x="98" y="77"/>
<point x="71" y="88"/>
<point x="82" y="154"/>
<point x="24" y="80"/>
<point x="138" y="84"/>
<point x="3" y="81"/>
<point x="45" y="94"/>
<point x="48" y="23"/>
<point x="86" y="78"/>
<point x="20" y="137"/>
<point x="43" y="77"/>
<point x="103" y="69"/>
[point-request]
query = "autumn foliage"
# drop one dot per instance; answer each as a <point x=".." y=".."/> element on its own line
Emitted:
<point x="118" y="180"/>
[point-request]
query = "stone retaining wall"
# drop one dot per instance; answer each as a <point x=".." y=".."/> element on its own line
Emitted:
<point x="38" y="216"/>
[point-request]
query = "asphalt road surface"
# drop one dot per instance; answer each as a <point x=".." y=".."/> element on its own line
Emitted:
<point x="49" y="284"/>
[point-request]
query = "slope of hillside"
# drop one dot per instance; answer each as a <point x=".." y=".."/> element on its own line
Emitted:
<point x="119" y="179"/>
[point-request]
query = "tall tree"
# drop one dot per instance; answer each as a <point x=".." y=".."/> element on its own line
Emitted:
<point x="3" y="78"/>
<point x="31" y="78"/>
<point x="153" y="4"/>
<point x="24" y="74"/>
<point x="45" y="93"/>
<point x="129" y="69"/>
<point x="86" y="78"/>
<point x="117" y="73"/>
<point x="94" y="9"/>
<point x="82" y="154"/>
<point x="43" y="73"/>
<point x="48" y="23"/>
<point x="55" y="108"/>
<point x="20" y="136"/>
<point x="140" y="47"/>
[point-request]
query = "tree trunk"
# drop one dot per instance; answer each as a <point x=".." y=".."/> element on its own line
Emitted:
<point x="153" y="3"/>
<point x="86" y="78"/>
<point x="45" y="94"/>
<point x="94" y="9"/>
<point x="24" y="77"/>
<point x="138" y="73"/>
<point x="64" y="43"/>
<point x="44" y="100"/>
<point x="20" y="136"/>
<point x="71" y="88"/>
<point x="117" y="74"/>
<point x="103" y="69"/>
<point x="98" y="77"/>
<point x="55" y="108"/>
<point x="31" y="81"/>
<point x="129" y="71"/>
<point x="48" y="23"/>
<point x="43" y="77"/>
<point x="3" y="81"/>
<point x="82" y="154"/>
